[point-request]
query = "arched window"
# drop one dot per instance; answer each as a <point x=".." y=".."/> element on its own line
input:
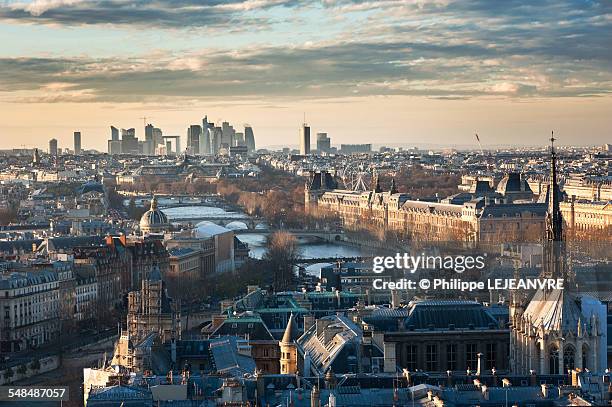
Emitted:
<point x="568" y="358"/>
<point x="585" y="352"/>
<point x="553" y="360"/>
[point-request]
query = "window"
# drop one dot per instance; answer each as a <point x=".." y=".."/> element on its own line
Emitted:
<point x="553" y="360"/>
<point x="431" y="358"/>
<point x="491" y="355"/>
<point x="471" y="356"/>
<point x="451" y="356"/>
<point x="411" y="357"/>
<point x="568" y="358"/>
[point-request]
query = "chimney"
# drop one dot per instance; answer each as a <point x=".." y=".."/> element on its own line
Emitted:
<point x="395" y="299"/>
<point x="546" y="390"/>
<point x="532" y="378"/>
<point x="485" y="391"/>
<point x="479" y="366"/>
<point x="309" y="320"/>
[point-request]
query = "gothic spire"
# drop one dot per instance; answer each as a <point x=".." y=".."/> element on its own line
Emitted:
<point x="393" y="187"/>
<point x="554" y="222"/>
<point x="377" y="187"/>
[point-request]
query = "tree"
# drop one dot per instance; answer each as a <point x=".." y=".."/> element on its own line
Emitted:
<point x="22" y="369"/>
<point x="281" y="255"/>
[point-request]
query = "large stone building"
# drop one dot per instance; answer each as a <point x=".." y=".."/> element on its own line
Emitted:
<point x="557" y="330"/>
<point x="484" y="215"/>
<point x="30" y="309"/>
<point x="151" y="310"/>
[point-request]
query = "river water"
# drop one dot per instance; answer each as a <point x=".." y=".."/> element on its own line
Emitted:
<point x="310" y="248"/>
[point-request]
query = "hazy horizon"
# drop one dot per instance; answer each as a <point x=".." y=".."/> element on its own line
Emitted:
<point x="389" y="71"/>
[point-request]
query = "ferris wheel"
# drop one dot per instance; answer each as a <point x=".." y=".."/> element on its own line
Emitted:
<point x="356" y="176"/>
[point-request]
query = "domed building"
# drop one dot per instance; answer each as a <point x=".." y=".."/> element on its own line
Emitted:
<point x="154" y="220"/>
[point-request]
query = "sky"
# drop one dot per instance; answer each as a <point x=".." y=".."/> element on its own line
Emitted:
<point x="409" y="72"/>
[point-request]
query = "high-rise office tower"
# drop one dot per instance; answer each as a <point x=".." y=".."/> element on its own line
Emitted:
<point x="205" y="139"/>
<point x="217" y="137"/>
<point x="53" y="146"/>
<point x="149" y="132"/>
<point x="305" y="139"/>
<point x="323" y="143"/>
<point x="193" y="138"/>
<point x="249" y="138"/>
<point x="114" y="133"/>
<point x="239" y="139"/>
<point x="228" y="134"/>
<point x="158" y="137"/>
<point x="129" y="142"/>
<point x="77" y="142"/>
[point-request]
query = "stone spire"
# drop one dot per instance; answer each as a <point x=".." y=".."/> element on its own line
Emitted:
<point x="554" y="251"/>
<point x="377" y="187"/>
<point x="554" y="221"/>
<point x="393" y="186"/>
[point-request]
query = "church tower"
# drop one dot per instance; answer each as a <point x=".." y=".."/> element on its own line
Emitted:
<point x="557" y="330"/>
<point x="288" y="349"/>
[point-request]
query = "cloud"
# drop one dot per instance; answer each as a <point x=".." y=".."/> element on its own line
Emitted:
<point x="141" y="13"/>
<point x="446" y="49"/>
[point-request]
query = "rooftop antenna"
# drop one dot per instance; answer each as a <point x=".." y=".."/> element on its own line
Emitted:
<point x="480" y="145"/>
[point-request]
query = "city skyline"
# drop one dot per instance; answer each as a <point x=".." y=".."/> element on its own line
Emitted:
<point x="361" y="71"/>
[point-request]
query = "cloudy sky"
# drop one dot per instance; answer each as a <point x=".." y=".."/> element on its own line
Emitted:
<point x="386" y="71"/>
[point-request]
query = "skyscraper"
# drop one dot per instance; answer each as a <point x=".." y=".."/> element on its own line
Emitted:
<point x="129" y="142"/>
<point x="158" y="137"/>
<point x="114" y="133"/>
<point x="227" y="136"/>
<point x="53" y="146"/>
<point x="239" y="139"/>
<point x="323" y="143"/>
<point x="77" y="142"/>
<point x="193" y="138"/>
<point x="149" y="132"/>
<point x="305" y="139"/>
<point x="205" y="138"/>
<point x="249" y="138"/>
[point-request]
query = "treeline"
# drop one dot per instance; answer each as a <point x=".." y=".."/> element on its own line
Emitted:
<point x="419" y="182"/>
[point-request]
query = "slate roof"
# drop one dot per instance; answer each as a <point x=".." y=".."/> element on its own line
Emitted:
<point x="441" y="314"/>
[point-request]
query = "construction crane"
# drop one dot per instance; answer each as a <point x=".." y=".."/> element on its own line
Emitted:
<point x="478" y="139"/>
<point x="144" y="120"/>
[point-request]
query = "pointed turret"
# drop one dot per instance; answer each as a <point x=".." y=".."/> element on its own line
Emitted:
<point x="393" y="187"/>
<point x="289" y="334"/>
<point x="377" y="187"/>
<point x="288" y="348"/>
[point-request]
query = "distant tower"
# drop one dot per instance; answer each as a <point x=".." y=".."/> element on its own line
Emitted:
<point x="193" y="139"/>
<point x="77" y="142"/>
<point x="35" y="157"/>
<point x="53" y="147"/>
<point x="305" y="139"/>
<point x="114" y="133"/>
<point x="249" y="138"/>
<point x="205" y="140"/>
<point x="323" y="143"/>
<point x="288" y="349"/>
<point x="558" y="329"/>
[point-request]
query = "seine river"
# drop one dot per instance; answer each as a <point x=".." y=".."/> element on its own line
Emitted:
<point x="310" y="248"/>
